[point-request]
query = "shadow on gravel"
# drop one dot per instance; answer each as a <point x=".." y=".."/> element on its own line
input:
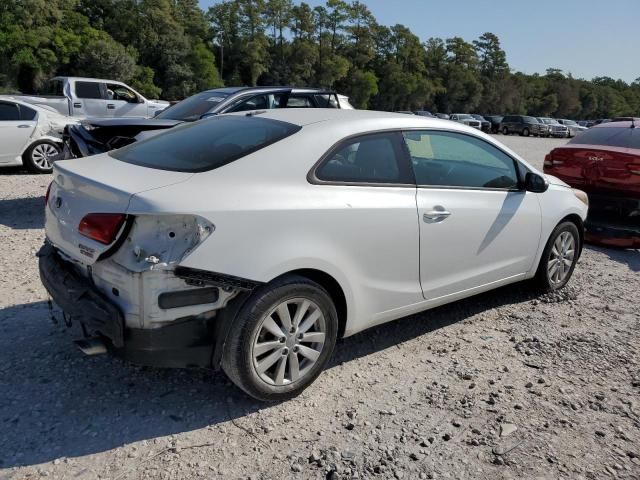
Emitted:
<point x="56" y="403"/>
<point x="22" y="213"/>
<point x="629" y="257"/>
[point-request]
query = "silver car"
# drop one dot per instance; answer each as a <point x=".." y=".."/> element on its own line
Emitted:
<point x="466" y="119"/>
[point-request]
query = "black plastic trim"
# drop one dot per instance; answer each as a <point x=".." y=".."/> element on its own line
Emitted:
<point x="186" y="298"/>
<point x="205" y="277"/>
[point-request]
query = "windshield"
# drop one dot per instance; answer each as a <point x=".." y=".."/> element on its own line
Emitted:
<point x="205" y="145"/>
<point x="549" y="121"/>
<point x="530" y="120"/>
<point x="569" y="122"/>
<point x="464" y="116"/>
<point x="192" y="108"/>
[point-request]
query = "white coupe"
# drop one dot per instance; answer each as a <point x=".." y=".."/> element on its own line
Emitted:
<point x="253" y="241"/>
<point x="30" y="135"/>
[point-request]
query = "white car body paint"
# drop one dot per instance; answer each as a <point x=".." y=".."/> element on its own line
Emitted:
<point x="16" y="136"/>
<point x="267" y="220"/>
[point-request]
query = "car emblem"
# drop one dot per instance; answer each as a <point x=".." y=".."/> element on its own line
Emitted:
<point x="58" y="202"/>
<point x="595" y="158"/>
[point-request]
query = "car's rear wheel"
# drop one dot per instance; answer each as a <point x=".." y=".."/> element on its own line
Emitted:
<point x="38" y="158"/>
<point x="505" y="131"/>
<point x="559" y="257"/>
<point x="281" y="339"/>
<point x="525" y="132"/>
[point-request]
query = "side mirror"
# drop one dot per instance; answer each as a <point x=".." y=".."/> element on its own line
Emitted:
<point x="535" y="183"/>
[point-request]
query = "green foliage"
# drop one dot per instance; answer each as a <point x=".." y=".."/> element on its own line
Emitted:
<point x="172" y="48"/>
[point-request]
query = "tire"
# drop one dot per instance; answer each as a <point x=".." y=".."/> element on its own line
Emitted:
<point x="258" y="324"/>
<point x="525" y="132"/>
<point x="38" y="157"/>
<point x="547" y="279"/>
<point x="505" y="131"/>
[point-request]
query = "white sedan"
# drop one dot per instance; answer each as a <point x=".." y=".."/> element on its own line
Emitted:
<point x="253" y="241"/>
<point x="30" y="135"/>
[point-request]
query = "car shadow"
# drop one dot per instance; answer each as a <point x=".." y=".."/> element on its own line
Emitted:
<point x="22" y="213"/>
<point x="628" y="257"/>
<point x="56" y="403"/>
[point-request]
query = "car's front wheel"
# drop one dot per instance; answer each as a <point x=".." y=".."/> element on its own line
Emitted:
<point x="505" y="131"/>
<point x="38" y="158"/>
<point x="525" y="132"/>
<point x="559" y="257"/>
<point x="281" y="339"/>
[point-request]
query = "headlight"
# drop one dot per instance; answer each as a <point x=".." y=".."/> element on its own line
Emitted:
<point x="583" y="197"/>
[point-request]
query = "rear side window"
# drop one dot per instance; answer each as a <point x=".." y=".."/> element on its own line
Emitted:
<point x="299" y="102"/>
<point x="27" y="113"/>
<point x="88" y="90"/>
<point x="9" y="112"/>
<point x="205" y="145"/>
<point x="372" y="158"/>
<point x="623" y="137"/>
<point x="54" y="88"/>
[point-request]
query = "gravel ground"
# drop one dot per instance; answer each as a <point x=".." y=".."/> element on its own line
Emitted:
<point x="502" y="385"/>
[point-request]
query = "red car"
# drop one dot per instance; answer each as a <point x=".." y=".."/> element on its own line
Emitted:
<point x="604" y="161"/>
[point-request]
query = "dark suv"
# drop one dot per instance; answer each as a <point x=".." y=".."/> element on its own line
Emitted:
<point x="523" y="125"/>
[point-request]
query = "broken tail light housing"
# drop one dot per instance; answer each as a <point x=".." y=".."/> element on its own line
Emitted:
<point x="101" y="227"/>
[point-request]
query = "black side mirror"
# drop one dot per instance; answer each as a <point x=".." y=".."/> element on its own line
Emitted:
<point x="535" y="183"/>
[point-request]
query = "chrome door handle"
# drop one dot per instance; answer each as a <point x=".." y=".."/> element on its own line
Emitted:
<point x="24" y="126"/>
<point x="435" y="215"/>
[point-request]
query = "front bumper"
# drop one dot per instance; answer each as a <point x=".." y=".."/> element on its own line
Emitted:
<point x="187" y="342"/>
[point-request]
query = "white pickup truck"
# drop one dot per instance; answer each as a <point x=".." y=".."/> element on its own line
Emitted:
<point x="94" y="97"/>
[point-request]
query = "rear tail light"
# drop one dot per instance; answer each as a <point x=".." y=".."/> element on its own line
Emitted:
<point x="101" y="227"/>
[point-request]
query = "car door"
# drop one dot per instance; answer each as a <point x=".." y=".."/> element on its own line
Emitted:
<point x="124" y="102"/>
<point x="90" y="99"/>
<point x="367" y="190"/>
<point x="477" y="227"/>
<point x="15" y="133"/>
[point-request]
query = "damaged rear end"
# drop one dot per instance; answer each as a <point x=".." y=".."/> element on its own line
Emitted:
<point x="114" y="273"/>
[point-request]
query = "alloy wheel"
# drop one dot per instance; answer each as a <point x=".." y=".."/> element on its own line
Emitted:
<point x="42" y="155"/>
<point x="289" y="341"/>
<point x="561" y="258"/>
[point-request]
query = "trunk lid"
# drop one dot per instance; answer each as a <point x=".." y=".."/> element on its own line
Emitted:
<point x="593" y="168"/>
<point x="98" y="184"/>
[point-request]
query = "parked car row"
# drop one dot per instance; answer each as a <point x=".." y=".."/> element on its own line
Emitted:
<point x="521" y="124"/>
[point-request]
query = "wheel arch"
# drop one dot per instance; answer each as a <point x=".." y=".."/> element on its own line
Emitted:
<point x="333" y="288"/>
<point x="579" y="223"/>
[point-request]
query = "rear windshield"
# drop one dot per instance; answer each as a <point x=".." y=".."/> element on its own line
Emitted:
<point x="192" y="108"/>
<point x="205" y="145"/>
<point x="623" y="137"/>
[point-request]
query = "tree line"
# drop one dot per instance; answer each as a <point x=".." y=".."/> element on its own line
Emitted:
<point x="172" y="48"/>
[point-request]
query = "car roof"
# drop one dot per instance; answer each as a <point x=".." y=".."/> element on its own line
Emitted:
<point x="232" y="90"/>
<point x="367" y="118"/>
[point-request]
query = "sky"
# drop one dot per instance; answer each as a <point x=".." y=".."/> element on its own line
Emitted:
<point x="587" y="38"/>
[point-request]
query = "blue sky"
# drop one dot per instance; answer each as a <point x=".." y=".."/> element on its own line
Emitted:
<point x="587" y="38"/>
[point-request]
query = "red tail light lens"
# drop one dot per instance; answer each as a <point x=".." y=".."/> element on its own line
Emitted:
<point x="101" y="227"/>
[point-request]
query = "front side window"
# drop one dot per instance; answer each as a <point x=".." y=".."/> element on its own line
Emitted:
<point x="299" y="102"/>
<point x="257" y="102"/>
<point x="205" y="145"/>
<point x="368" y="159"/>
<point x="120" y="92"/>
<point x="89" y="90"/>
<point x="9" y="112"/>
<point x="448" y="159"/>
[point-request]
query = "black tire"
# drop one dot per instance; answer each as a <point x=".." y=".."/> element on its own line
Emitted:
<point x="237" y="357"/>
<point x="526" y="132"/>
<point x="34" y="161"/>
<point x="543" y="279"/>
<point x="505" y="131"/>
